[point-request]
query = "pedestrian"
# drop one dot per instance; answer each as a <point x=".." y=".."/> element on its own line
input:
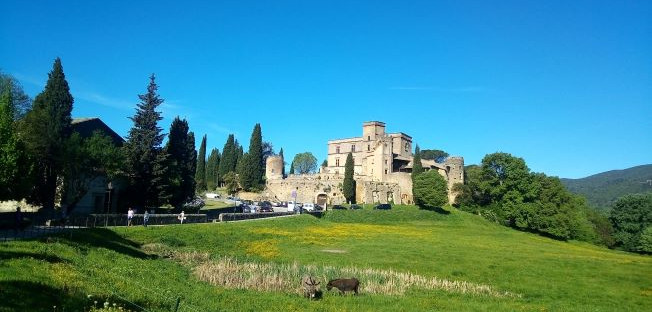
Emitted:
<point x="182" y="216"/>
<point x="18" y="219"/>
<point x="130" y="215"/>
<point x="145" y="218"/>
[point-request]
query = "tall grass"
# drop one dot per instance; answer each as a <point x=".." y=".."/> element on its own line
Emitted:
<point x="268" y="276"/>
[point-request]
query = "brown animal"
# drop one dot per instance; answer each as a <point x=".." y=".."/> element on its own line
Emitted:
<point x="344" y="284"/>
<point x="310" y="284"/>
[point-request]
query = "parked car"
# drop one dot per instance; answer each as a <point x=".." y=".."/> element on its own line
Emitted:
<point x="338" y="207"/>
<point x="383" y="207"/>
<point x="355" y="207"/>
<point x="212" y="195"/>
<point x="319" y="208"/>
<point x="266" y="209"/>
<point x="309" y="207"/>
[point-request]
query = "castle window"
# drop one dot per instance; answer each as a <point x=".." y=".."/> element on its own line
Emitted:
<point x="407" y="147"/>
<point x="337" y="149"/>
<point x="368" y="138"/>
<point x="272" y="170"/>
<point x="337" y="162"/>
<point x="385" y="171"/>
<point x="368" y="147"/>
<point x="353" y="148"/>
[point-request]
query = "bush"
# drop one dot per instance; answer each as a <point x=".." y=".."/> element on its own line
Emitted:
<point x="430" y="190"/>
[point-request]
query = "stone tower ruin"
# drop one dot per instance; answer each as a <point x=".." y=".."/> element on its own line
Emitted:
<point x="274" y="168"/>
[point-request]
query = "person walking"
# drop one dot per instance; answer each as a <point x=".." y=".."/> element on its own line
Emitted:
<point x="130" y="215"/>
<point x="182" y="216"/>
<point x="145" y="218"/>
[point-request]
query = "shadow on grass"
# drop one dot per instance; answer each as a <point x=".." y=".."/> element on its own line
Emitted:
<point x="105" y="238"/>
<point x="7" y="255"/>
<point x="436" y="209"/>
<point x="30" y="296"/>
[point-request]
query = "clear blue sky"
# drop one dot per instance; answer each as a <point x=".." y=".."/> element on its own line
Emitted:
<point x="567" y="85"/>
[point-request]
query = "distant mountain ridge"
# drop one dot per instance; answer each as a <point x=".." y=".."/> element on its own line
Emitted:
<point x="602" y="189"/>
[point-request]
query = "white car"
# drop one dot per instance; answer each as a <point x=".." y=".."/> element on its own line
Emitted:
<point x="212" y="195"/>
<point x="309" y="207"/>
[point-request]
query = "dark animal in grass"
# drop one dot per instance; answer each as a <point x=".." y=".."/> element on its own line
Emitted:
<point x="344" y="284"/>
<point x="310" y="285"/>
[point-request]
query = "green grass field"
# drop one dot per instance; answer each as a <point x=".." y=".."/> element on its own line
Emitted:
<point x="406" y="259"/>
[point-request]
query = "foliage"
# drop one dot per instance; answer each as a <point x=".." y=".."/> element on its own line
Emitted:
<point x="182" y="159"/>
<point x="21" y="103"/>
<point x="14" y="165"/>
<point x="417" y="167"/>
<point x="229" y="158"/>
<point x="603" y="189"/>
<point x="436" y="155"/>
<point x="88" y="159"/>
<point x="304" y="163"/>
<point x="324" y="163"/>
<point x="231" y="182"/>
<point x="212" y="169"/>
<point x="45" y="130"/>
<point x="200" y="174"/>
<point x="430" y="190"/>
<point x="280" y="153"/>
<point x="292" y="167"/>
<point x="146" y="161"/>
<point x="348" y="185"/>
<point x="645" y="242"/>
<point x="630" y="216"/>
<point x="251" y="169"/>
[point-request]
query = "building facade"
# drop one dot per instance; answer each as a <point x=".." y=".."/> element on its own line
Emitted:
<point x="382" y="170"/>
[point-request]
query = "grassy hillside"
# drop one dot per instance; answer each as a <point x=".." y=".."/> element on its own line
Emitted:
<point x="602" y="189"/>
<point x="406" y="259"/>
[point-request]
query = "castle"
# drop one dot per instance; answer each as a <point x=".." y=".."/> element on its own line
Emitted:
<point x="382" y="170"/>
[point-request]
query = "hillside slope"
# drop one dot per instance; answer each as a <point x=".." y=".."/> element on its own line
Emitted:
<point x="602" y="189"/>
<point x="406" y="260"/>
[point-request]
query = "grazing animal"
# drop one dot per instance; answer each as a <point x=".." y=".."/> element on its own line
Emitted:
<point x="310" y="284"/>
<point x="344" y="284"/>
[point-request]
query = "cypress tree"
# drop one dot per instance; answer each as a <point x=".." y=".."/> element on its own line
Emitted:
<point x="280" y="153"/>
<point x="145" y="159"/>
<point x="211" y="169"/>
<point x="348" y="185"/>
<point x="181" y="163"/>
<point x="200" y="175"/>
<point x="229" y="158"/>
<point x="46" y="128"/>
<point x="417" y="167"/>
<point x="292" y="167"/>
<point x="251" y="169"/>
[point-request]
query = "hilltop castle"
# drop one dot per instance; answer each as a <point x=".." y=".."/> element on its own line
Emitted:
<point x="382" y="168"/>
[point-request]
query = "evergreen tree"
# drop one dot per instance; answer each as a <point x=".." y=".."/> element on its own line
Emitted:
<point x="145" y="160"/>
<point x="229" y="157"/>
<point x="280" y="153"/>
<point x="14" y="169"/>
<point x="181" y="163"/>
<point x="200" y="175"/>
<point x="45" y="130"/>
<point x="417" y="167"/>
<point x="430" y="190"/>
<point x="292" y="167"/>
<point x="211" y="169"/>
<point x="348" y="185"/>
<point x="251" y="166"/>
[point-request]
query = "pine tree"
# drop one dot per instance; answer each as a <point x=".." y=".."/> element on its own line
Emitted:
<point x="45" y="129"/>
<point x="145" y="160"/>
<point x="348" y="185"/>
<point x="280" y="153"/>
<point x="181" y="163"/>
<point x="211" y="169"/>
<point x="200" y="175"/>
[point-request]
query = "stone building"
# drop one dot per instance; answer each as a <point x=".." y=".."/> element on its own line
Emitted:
<point x="382" y="170"/>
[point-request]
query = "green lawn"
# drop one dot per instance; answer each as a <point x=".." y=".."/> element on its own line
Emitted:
<point x="406" y="259"/>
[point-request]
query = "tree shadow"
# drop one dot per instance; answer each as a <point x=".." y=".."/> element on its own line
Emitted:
<point x="7" y="255"/>
<point x="31" y="296"/>
<point x="104" y="238"/>
<point x="439" y="210"/>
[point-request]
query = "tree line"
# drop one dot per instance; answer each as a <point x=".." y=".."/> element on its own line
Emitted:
<point x="43" y="158"/>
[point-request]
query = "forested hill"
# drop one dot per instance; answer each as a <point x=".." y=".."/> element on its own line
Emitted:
<point x="604" y="188"/>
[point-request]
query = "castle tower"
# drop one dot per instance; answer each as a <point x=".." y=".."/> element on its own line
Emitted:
<point x="372" y="130"/>
<point x="274" y="168"/>
<point x="455" y="172"/>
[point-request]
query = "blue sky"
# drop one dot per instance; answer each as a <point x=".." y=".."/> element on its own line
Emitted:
<point x="567" y="85"/>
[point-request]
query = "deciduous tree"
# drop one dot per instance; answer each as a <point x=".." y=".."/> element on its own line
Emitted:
<point x="304" y="163"/>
